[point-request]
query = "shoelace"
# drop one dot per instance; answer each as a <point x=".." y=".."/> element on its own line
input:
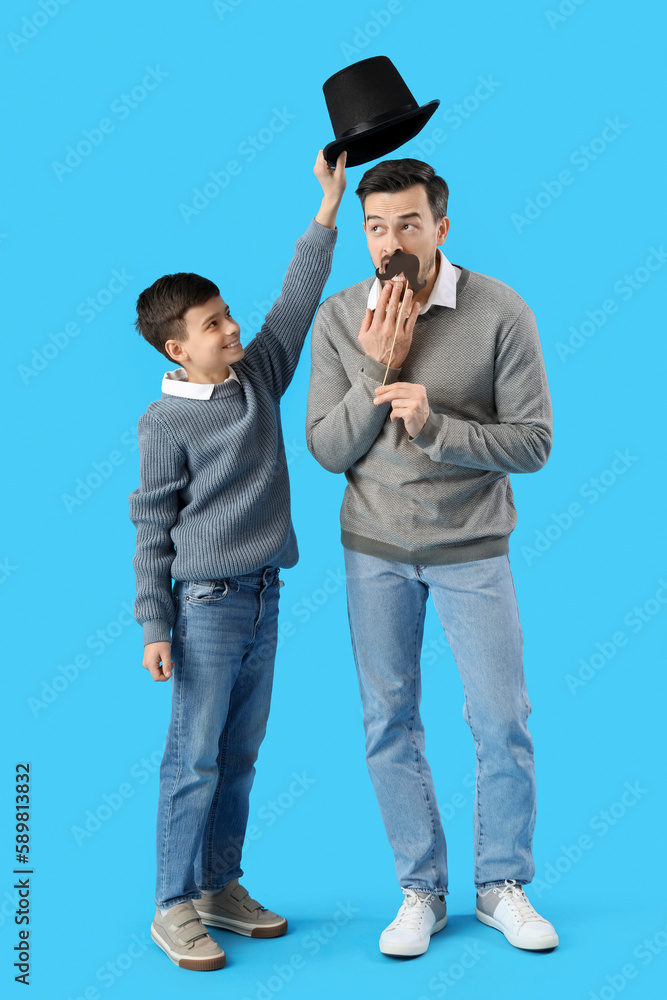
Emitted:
<point x="410" y="914"/>
<point x="518" y="900"/>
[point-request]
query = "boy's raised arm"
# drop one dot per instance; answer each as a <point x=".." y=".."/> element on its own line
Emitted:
<point x="277" y="347"/>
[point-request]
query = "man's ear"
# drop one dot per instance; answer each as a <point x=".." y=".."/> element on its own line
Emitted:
<point x="443" y="229"/>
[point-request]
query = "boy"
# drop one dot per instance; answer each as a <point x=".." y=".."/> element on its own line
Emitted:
<point x="213" y="513"/>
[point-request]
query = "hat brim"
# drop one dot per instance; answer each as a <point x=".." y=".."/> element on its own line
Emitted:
<point x="381" y="139"/>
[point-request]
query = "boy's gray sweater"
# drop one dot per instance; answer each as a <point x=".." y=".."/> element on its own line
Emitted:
<point x="214" y="498"/>
<point x="444" y="496"/>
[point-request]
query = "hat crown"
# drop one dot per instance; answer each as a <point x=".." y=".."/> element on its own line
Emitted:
<point x="365" y="92"/>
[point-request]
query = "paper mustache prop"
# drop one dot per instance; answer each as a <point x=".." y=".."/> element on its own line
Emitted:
<point x="408" y="263"/>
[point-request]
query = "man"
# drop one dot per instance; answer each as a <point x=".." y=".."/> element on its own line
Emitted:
<point x="428" y="509"/>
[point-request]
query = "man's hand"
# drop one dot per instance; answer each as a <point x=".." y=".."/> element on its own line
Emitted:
<point x="154" y="654"/>
<point x="409" y="403"/>
<point x="333" y="185"/>
<point x="378" y="328"/>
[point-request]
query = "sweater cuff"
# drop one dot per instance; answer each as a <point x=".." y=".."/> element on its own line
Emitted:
<point x="156" y="631"/>
<point x="430" y="430"/>
<point x="375" y="370"/>
<point x="320" y="236"/>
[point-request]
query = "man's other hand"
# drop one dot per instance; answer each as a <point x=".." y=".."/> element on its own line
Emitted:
<point x="378" y="327"/>
<point x="409" y="403"/>
<point x="157" y="660"/>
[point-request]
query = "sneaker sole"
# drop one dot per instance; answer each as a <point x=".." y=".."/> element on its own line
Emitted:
<point x="411" y="950"/>
<point x="239" y="927"/>
<point x="196" y="965"/>
<point x="536" y="944"/>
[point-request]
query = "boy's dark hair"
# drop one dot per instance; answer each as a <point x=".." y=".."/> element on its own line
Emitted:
<point x="391" y="176"/>
<point x="161" y="308"/>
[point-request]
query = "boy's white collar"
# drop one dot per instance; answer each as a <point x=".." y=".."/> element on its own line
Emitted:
<point x="175" y="383"/>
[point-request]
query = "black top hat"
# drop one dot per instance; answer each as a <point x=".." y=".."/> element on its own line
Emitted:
<point x="371" y="110"/>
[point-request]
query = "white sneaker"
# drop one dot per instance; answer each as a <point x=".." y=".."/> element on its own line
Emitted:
<point x="506" y="908"/>
<point x="421" y="915"/>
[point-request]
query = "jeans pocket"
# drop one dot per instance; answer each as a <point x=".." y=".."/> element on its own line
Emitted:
<point x="206" y="591"/>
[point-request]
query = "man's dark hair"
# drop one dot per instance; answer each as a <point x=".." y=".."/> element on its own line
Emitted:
<point x="161" y="308"/>
<point x="391" y="176"/>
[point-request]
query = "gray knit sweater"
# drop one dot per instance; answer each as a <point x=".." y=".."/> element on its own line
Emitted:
<point x="214" y="498"/>
<point x="444" y="496"/>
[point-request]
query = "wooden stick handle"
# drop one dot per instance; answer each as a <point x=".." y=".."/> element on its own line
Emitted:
<point x="398" y="323"/>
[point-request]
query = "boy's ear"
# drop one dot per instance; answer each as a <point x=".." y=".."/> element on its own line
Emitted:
<point x="173" y="347"/>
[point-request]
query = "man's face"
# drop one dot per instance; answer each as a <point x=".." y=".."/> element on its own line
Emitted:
<point x="213" y="338"/>
<point x="403" y="221"/>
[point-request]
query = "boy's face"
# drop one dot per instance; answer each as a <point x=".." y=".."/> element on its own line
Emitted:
<point x="213" y="342"/>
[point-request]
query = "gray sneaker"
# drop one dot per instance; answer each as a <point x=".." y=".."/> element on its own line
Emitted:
<point x="233" y="909"/>
<point x="508" y="909"/>
<point x="182" y="936"/>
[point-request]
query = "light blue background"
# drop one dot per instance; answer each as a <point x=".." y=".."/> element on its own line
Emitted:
<point x="67" y="573"/>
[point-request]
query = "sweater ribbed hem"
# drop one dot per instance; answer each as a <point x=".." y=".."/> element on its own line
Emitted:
<point x="319" y="236"/>
<point x="156" y="630"/>
<point x="459" y="552"/>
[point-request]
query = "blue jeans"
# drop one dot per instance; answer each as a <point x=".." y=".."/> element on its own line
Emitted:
<point x="223" y="650"/>
<point x="476" y="605"/>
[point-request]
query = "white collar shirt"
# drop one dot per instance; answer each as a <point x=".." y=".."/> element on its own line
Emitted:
<point x="175" y="383"/>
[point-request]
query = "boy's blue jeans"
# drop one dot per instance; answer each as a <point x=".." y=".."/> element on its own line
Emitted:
<point x="476" y="605"/>
<point x="223" y="650"/>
